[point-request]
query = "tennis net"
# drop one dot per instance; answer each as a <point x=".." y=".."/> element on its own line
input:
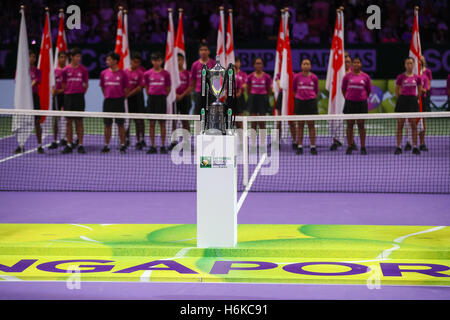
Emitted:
<point x="267" y="159"/>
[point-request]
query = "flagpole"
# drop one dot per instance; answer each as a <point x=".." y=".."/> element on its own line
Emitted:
<point x="220" y="50"/>
<point x="419" y="68"/>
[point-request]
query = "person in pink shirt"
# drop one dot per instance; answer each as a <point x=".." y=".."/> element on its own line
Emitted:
<point x="259" y="86"/>
<point x="241" y="78"/>
<point x="196" y="76"/>
<point x="407" y="88"/>
<point x="115" y="87"/>
<point x="58" y="98"/>
<point x="183" y="97"/>
<point x="36" y="77"/>
<point x="157" y="84"/>
<point x="306" y="88"/>
<point x="135" y="98"/>
<point x="348" y="68"/>
<point x="75" y="79"/>
<point x="356" y="88"/>
<point x="279" y="105"/>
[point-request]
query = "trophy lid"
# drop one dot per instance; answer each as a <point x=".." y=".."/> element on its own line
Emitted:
<point x="217" y="76"/>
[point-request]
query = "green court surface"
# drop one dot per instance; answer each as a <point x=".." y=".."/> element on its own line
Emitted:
<point x="327" y="254"/>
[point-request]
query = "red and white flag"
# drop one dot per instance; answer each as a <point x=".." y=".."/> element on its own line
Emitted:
<point x="119" y="38"/>
<point x="336" y="68"/>
<point x="45" y="65"/>
<point x="415" y="50"/>
<point x="61" y="41"/>
<point x="22" y="126"/>
<point x="287" y="74"/>
<point x="230" y="42"/>
<point x="171" y="65"/>
<point x="179" y="40"/>
<point x="125" y="56"/>
<point x="221" y="39"/>
<point x="278" y="61"/>
<point x="335" y="74"/>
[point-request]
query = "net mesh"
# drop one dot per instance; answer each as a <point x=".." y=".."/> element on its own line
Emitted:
<point x="270" y="163"/>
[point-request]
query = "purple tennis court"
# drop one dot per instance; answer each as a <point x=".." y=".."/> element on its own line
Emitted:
<point x="259" y="208"/>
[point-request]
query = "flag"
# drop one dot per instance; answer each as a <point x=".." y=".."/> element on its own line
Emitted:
<point x="287" y="74"/>
<point x="61" y="46"/>
<point x="336" y="68"/>
<point x="45" y="65"/>
<point x="278" y="60"/>
<point x="179" y="40"/>
<point x="22" y="126"/>
<point x="335" y="74"/>
<point x="125" y="56"/>
<point x="119" y="38"/>
<point x="61" y="41"/>
<point x="415" y="50"/>
<point x="230" y="46"/>
<point x="171" y="64"/>
<point x="121" y="49"/>
<point x="221" y="39"/>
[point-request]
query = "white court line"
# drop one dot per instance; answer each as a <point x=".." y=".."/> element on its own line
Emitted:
<point x="145" y="277"/>
<point x="385" y="254"/>
<point x="7" y="137"/>
<point x="80" y="225"/>
<point x="22" y="154"/>
<point x="84" y="237"/>
<point x="89" y="239"/>
<point x="252" y="179"/>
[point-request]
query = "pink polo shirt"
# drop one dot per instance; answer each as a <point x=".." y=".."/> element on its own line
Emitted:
<point x="184" y="81"/>
<point x="409" y="85"/>
<point x="305" y="87"/>
<point x="75" y="78"/>
<point x="258" y="85"/>
<point x="113" y="83"/>
<point x="196" y="73"/>
<point x="242" y="76"/>
<point x="36" y="75"/>
<point x="58" y="78"/>
<point x="157" y="82"/>
<point x="135" y="78"/>
<point x="357" y="87"/>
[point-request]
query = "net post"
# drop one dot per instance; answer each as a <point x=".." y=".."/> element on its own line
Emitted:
<point x="245" y="151"/>
<point x="197" y="128"/>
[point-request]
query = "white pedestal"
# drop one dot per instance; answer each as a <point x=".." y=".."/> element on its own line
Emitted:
<point x="216" y="191"/>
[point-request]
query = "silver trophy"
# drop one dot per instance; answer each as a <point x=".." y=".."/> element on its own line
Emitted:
<point x="218" y="98"/>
